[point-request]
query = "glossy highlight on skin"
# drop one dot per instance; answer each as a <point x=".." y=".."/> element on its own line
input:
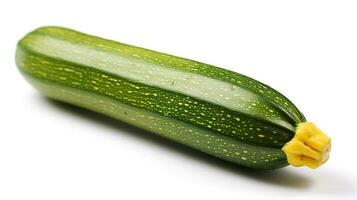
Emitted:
<point x="220" y="112"/>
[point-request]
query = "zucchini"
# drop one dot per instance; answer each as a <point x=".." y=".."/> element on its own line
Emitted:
<point x="213" y="110"/>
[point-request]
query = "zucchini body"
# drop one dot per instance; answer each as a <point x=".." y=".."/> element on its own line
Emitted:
<point x="216" y="111"/>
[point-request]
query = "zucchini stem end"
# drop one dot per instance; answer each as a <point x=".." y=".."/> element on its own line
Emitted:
<point x="309" y="147"/>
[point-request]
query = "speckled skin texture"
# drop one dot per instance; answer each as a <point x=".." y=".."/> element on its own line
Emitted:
<point x="211" y="109"/>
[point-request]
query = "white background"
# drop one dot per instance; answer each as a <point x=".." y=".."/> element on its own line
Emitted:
<point x="305" y="49"/>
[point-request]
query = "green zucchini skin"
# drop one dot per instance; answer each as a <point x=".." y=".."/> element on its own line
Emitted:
<point x="217" y="111"/>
